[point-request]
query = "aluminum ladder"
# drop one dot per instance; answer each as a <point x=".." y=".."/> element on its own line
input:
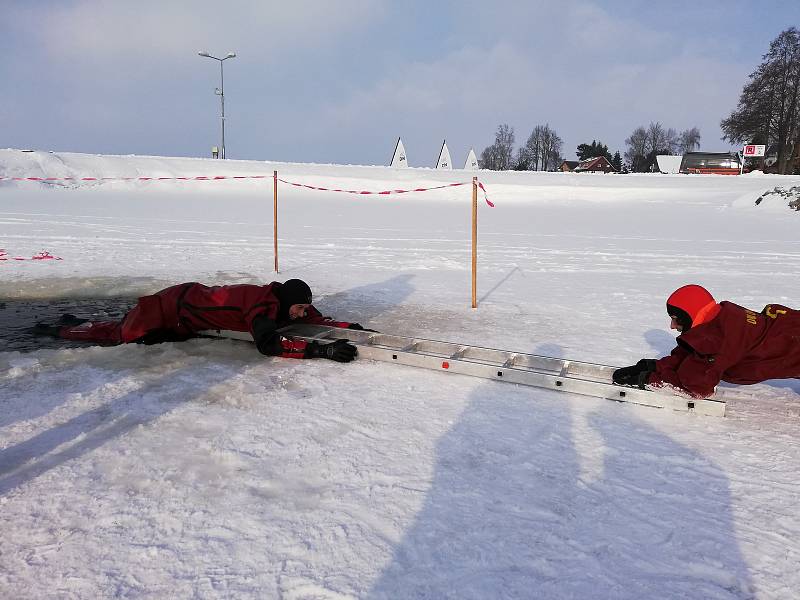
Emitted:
<point x="557" y="374"/>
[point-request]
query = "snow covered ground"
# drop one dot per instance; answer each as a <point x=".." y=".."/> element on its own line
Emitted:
<point x="205" y="470"/>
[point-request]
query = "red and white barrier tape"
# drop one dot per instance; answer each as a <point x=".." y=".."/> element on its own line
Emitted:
<point x="222" y="177"/>
<point x="43" y="255"/>
<point x="198" y="178"/>
<point x="387" y="192"/>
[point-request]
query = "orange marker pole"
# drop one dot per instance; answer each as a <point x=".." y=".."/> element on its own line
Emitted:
<point x="474" y="242"/>
<point x="275" y="215"/>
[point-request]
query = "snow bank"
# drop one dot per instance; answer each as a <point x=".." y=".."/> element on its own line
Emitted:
<point x="202" y="469"/>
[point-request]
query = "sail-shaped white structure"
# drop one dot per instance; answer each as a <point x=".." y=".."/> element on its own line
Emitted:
<point x="471" y="164"/>
<point x="444" y="161"/>
<point x="399" y="156"/>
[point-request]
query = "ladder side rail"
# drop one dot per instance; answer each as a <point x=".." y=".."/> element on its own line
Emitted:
<point x="556" y="374"/>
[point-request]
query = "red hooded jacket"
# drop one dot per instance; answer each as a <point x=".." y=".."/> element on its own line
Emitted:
<point x="736" y="345"/>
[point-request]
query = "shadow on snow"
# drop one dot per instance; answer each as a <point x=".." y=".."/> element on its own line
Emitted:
<point x="531" y="498"/>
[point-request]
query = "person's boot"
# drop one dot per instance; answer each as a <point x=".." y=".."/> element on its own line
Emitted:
<point x="46" y="329"/>
<point x="69" y="320"/>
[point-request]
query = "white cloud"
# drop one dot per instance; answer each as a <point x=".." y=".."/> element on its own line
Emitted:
<point x="586" y="87"/>
<point x="114" y="33"/>
<point x="587" y="71"/>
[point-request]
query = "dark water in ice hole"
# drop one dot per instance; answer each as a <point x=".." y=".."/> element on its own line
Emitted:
<point x="16" y="316"/>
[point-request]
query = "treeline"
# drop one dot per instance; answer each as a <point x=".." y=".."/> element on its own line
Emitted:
<point x="645" y="143"/>
<point x="768" y="113"/>
<point x="542" y="150"/>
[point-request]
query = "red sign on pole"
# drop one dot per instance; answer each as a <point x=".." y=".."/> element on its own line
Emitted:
<point x="752" y="150"/>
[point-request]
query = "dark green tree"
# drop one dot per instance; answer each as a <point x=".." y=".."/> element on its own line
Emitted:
<point x="593" y="150"/>
<point x="769" y="105"/>
<point x="616" y="162"/>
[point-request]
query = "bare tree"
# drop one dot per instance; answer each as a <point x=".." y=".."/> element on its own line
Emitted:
<point x="671" y="141"/>
<point x="688" y="140"/>
<point x="644" y="144"/>
<point x="637" y="150"/>
<point x="551" y="149"/>
<point x="523" y="160"/>
<point x="660" y="140"/>
<point x="533" y="148"/>
<point x="499" y="155"/>
<point x="655" y="136"/>
<point x="488" y="158"/>
<point x="542" y="150"/>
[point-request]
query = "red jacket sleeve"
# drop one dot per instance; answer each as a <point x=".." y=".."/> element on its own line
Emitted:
<point x="314" y="317"/>
<point x="687" y="371"/>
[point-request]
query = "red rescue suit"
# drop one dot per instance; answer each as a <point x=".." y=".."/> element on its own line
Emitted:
<point x="738" y="346"/>
<point x="179" y="312"/>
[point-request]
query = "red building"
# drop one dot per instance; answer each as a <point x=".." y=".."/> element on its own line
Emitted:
<point x="598" y="164"/>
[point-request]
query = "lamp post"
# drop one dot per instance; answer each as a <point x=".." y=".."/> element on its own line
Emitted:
<point x="220" y="91"/>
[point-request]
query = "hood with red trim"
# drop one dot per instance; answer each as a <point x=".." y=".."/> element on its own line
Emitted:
<point x="691" y="305"/>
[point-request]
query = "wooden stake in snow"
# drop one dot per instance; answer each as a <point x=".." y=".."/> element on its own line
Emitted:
<point x="474" y="242"/>
<point x="275" y="215"/>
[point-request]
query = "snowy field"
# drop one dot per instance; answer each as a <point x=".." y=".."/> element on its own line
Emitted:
<point x="204" y="470"/>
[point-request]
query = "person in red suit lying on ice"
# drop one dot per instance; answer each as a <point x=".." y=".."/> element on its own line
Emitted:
<point x="180" y="312"/>
<point x="720" y="342"/>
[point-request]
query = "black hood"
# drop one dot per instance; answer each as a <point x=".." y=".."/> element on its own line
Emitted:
<point x="293" y="291"/>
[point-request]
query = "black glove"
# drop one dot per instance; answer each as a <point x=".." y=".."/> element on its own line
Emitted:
<point x="635" y="375"/>
<point x="358" y="327"/>
<point x="267" y="340"/>
<point x="340" y="351"/>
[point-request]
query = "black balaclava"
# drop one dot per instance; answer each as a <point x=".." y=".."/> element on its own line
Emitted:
<point x="294" y="291"/>
<point x="681" y="317"/>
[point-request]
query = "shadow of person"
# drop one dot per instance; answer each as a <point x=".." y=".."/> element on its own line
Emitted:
<point x="503" y="481"/>
<point x="367" y="302"/>
<point x="160" y="393"/>
<point x="49" y="377"/>
<point x="665" y="510"/>
<point x="660" y="341"/>
<point x="537" y="494"/>
<point x="786" y="384"/>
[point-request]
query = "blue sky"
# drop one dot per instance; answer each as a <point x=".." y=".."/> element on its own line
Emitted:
<point x="337" y="82"/>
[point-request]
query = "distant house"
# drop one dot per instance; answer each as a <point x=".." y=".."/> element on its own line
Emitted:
<point x="568" y="165"/>
<point x="598" y="164"/>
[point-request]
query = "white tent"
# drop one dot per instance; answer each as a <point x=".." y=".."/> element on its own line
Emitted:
<point x="471" y="164"/>
<point x="444" y="161"/>
<point x="399" y="156"/>
<point x="668" y="164"/>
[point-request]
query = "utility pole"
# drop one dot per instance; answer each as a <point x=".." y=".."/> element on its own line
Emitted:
<point x="220" y="91"/>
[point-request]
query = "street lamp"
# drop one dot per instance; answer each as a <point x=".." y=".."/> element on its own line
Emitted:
<point x="220" y="91"/>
